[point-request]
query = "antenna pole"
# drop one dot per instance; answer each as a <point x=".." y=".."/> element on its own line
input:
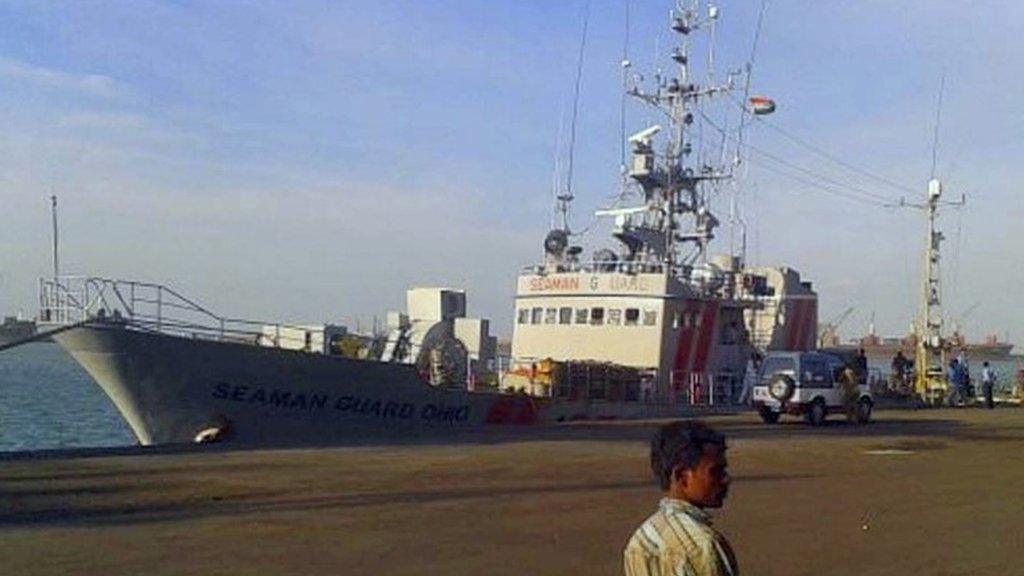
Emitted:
<point x="566" y="197"/>
<point x="56" y="260"/>
<point x="938" y="119"/>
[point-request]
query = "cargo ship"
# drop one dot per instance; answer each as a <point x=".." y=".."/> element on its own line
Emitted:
<point x="992" y="348"/>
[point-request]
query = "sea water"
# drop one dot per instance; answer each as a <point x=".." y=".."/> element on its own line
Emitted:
<point x="48" y="401"/>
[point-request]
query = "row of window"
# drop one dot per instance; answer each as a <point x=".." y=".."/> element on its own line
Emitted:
<point x="593" y="316"/>
<point x="611" y="316"/>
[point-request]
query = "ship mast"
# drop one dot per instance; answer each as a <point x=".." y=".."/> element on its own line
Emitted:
<point x="931" y="343"/>
<point x="56" y="261"/>
<point x="676" y="202"/>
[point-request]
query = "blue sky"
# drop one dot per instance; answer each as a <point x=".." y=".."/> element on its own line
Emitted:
<point x="307" y="161"/>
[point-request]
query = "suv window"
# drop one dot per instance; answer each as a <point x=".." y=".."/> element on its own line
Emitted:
<point x="815" y="373"/>
<point x="775" y="364"/>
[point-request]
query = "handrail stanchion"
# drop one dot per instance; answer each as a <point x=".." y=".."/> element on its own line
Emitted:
<point x="672" y="387"/>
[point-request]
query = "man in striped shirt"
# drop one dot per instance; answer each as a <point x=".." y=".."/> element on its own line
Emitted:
<point x="688" y="460"/>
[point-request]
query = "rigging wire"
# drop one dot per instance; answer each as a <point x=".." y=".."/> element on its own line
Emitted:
<point x="836" y="189"/>
<point x="557" y="173"/>
<point x="832" y="158"/>
<point x="955" y="281"/>
<point x="867" y="194"/>
<point x="622" y="101"/>
<point x="817" y="185"/>
<point x="938" y="119"/>
<point x="576" y="100"/>
<point x="750" y="72"/>
<point x="820" y="152"/>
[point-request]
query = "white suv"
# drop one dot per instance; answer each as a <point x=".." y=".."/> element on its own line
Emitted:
<point x="807" y="384"/>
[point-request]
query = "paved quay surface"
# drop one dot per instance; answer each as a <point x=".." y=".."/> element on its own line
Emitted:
<point x="940" y="491"/>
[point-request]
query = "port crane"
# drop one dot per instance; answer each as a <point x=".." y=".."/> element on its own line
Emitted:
<point x="829" y="331"/>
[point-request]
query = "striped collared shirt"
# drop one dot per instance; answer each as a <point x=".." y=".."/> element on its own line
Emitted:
<point x="678" y="540"/>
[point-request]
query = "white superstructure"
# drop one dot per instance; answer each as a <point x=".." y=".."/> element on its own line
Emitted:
<point x="659" y="302"/>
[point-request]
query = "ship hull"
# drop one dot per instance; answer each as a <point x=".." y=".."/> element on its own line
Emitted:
<point x="170" y="389"/>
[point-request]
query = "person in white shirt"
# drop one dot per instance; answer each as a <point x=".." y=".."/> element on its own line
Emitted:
<point x="988" y="382"/>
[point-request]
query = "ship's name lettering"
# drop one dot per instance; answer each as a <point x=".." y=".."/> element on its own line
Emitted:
<point x="613" y="283"/>
<point x="632" y="283"/>
<point x="553" y="283"/>
<point x="271" y="397"/>
<point x="367" y="407"/>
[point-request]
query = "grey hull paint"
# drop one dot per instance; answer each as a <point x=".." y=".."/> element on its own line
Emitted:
<point x="169" y="388"/>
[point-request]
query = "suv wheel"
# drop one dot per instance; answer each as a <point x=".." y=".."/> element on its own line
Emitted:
<point x="864" y="411"/>
<point x="816" y="413"/>
<point x="781" y="387"/>
<point x="768" y="415"/>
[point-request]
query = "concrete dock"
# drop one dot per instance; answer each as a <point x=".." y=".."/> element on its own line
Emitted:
<point x="928" y="492"/>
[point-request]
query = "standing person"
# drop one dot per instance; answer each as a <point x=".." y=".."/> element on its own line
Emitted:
<point x="965" y="375"/>
<point x="988" y="382"/>
<point x="750" y="377"/>
<point x="899" y="369"/>
<point x="953" y="378"/>
<point x="860" y="364"/>
<point x="688" y="461"/>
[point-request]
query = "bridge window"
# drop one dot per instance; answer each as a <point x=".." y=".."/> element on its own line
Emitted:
<point x="677" y="320"/>
<point x="565" y="315"/>
<point x="614" y="316"/>
<point x="550" y="315"/>
<point x="650" y="317"/>
<point x="597" y="316"/>
<point x="536" y="315"/>
<point x="730" y="333"/>
<point x="524" y="315"/>
<point x="582" y="315"/>
<point x="632" y="316"/>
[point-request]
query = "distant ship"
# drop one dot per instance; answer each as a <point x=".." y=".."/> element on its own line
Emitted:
<point x="990" y="349"/>
<point x="14" y="329"/>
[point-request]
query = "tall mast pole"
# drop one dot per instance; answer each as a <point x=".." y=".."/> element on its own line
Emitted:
<point x="931" y="358"/>
<point x="56" y="259"/>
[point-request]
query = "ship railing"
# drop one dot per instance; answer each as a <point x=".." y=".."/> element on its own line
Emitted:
<point x="605" y="382"/>
<point x="599" y="266"/>
<point x="157" y="308"/>
<point x="720" y="283"/>
<point x="697" y="388"/>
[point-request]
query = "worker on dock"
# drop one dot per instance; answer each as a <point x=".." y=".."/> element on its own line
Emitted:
<point x="860" y="366"/>
<point x="688" y="461"/>
<point x="955" y="377"/>
<point x="988" y="383"/>
<point x="900" y="364"/>
<point x="750" y="377"/>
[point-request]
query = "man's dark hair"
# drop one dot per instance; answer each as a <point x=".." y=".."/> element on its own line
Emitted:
<point x="680" y="443"/>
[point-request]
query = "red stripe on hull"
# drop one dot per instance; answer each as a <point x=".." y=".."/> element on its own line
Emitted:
<point x="794" y="321"/>
<point x="709" y="321"/>
<point x="684" y="346"/>
<point x="810" y="321"/>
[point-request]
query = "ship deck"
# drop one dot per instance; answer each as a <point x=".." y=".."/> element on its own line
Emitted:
<point x="545" y="500"/>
